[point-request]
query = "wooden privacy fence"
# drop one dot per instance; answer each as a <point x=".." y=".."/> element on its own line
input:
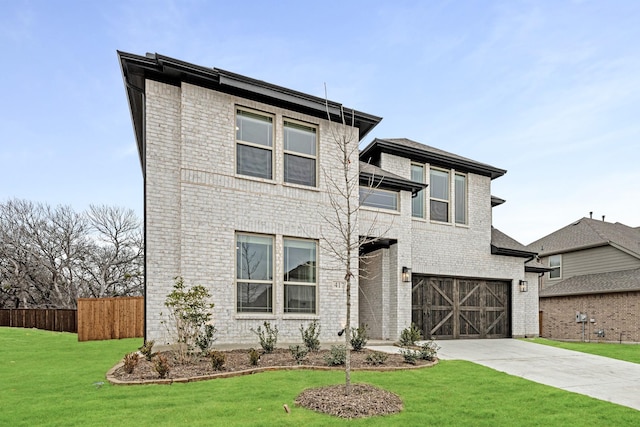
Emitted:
<point x="49" y="319"/>
<point x="110" y="318"/>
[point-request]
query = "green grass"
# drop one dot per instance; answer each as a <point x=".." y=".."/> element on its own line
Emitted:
<point x="628" y="352"/>
<point x="47" y="378"/>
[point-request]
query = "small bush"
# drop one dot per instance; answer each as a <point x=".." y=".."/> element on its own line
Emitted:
<point x="337" y="355"/>
<point x="147" y="350"/>
<point x="130" y="362"/>
<point x="268" y="336"/>
<point x="205" y="340"/>
<point x="359" y="338"/>
<point x="310" y="336"/>
<point x="161" y="365"/>
<point x="409" y="336"/>
<point x="217" y="360"/>
<point x="428" y="351"/>
<point x="410" y="356"/>
<point x="298" y="352"/>
<point x="376" y="358"/>
<point x="254" y="357"/>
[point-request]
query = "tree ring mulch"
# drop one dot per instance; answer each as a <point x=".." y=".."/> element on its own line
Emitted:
<point x="364" y="401"/>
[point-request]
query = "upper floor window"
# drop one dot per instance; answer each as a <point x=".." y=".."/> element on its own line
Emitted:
<point x="254" y="273"/>
<point x="417" y="202"/>
<point x="439" y="202"/>
<point x="254" y="144"/>
<point x="555" y="262"/>
<point x="300" y="278"/>
<point x="377" y="198"/>
<point x="300" y="147"/>
<point x="461" y="198"/>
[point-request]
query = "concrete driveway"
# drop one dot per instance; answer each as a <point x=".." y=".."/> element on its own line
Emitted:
<point x="600" y="377"/>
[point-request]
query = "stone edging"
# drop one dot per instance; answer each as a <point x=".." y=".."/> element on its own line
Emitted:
<point x="115" y="381"/>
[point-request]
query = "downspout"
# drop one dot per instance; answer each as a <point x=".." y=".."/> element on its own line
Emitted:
<point x="144" y="201"/>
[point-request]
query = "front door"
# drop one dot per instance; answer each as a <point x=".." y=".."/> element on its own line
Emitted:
<point x="451" y="308"/>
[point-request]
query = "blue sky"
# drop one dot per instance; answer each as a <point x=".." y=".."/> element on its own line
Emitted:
<point x="549" y="90"/>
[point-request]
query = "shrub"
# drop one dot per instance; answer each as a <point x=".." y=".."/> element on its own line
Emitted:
<point x="147" y="350"/>
<point x="310" y="336"/>
<point x="376" y="358"/>
<point x="217" y="360"/>
<point x="254" y="357"/>
<point x="359" y="338"/>
<point x="428" y="350"/>
<point x="130" y="362"/>
<point x="298" y="352"/>
<point x="337" y="355"/>
<point x="409" y="336"/>
<point x="268" y="336"/>
<point x="410" y="356"/>
<point x="161" y="365"/>
<point x="189" y="312"/>
<point x="205" y="340"/>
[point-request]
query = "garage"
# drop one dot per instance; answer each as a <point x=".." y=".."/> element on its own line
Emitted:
<point x="454" y="308"/>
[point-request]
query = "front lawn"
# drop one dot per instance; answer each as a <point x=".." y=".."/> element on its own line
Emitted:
<point x="628" y="352"/>
<point x="49" y="378"/>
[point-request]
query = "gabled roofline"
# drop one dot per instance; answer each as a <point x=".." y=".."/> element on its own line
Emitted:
<point x="137" y="69"/>
<point x="424" y="155"/>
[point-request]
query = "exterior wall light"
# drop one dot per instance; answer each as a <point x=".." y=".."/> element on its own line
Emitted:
<point x="406" y="274"/>
<point x="524" y="286"/>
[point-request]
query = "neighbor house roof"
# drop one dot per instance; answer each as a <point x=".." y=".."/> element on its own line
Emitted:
<point x="586" y="233"/>
<point x="615" y="281"/>
<point x="425" y="154"/>
<point x="377" y="177"/>
<point x="501" y="244"/>
<point x="137" y="69"/>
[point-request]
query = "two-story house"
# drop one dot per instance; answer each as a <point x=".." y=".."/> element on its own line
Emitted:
<point x="592" y="290"/>
<point x="237" y="177"/>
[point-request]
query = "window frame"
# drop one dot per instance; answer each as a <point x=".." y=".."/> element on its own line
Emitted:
<point x="420" y="195"/>
<point x="238" y="280"/>
<point x="372" y="190"/>
<point x="244" y="143"/>
<point x="447" y="201"/>
<point x="557" y="268"/>
<point x="286" y="152"/>
<point x="286" y="282"/>
<point x="465" y="198"/>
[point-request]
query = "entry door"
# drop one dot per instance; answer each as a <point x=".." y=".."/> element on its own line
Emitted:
<point x="450" y="308"/>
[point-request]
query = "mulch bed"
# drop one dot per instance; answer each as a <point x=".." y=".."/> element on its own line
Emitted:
<point x="365" y="400"/>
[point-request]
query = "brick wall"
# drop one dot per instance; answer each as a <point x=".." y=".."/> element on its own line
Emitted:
<point x="617" y="314"/>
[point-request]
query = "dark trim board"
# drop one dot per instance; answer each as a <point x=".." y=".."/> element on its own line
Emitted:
<point x="456" y="307"/>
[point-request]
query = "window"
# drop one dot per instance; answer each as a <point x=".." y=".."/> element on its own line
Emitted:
<point x="254" y="273"/>
<point x="254" y="144"/>
<point x="376" y="198"/>
<point x="555" y="262"/>
<point x="461" y="198"/>
<point x="417" y="203"/>
<point x="300" y="144"/>
<point x="439" y="202"/>
<point x="300" y="278"/>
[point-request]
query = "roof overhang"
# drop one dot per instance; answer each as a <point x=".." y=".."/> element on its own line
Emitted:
<point x="373" y="244"/>
<point x="496" y="250"/>
<point x="137" y="69"/>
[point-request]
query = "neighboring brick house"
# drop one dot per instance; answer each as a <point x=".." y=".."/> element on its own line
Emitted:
<point x="592" y="291"/>
<point x="236" y="194"/>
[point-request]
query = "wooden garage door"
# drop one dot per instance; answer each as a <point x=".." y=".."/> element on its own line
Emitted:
<point x="461" y="308"/>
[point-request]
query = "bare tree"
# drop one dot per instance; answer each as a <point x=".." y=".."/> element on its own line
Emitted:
<point x="51" y="256"/>
<point x="343" y="239"/>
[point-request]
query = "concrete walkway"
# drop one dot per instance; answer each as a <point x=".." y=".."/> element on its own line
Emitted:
<point x="600" y="377"/>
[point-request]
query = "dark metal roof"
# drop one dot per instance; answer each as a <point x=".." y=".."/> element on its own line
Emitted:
<point x="501" y="244"/>
<point x="496" y="201"/>
<point x="589" y="233"/>
<point x="374" y="176"/>
<point x="600" y="283"/>
<point x="137" y="69"/>
<point x="425" y="154"/>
